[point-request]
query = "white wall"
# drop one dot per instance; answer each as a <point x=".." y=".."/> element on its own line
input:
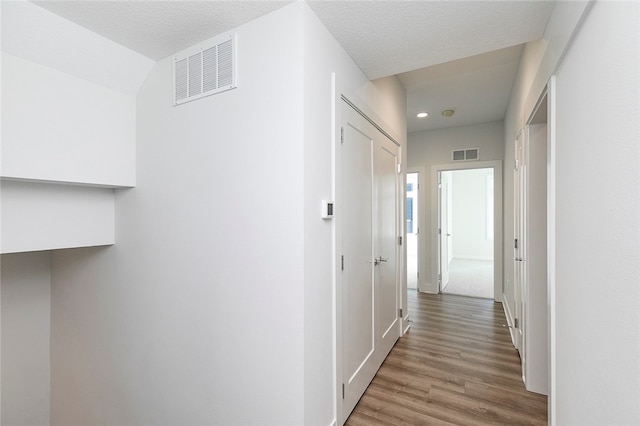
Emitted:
<point x="68" y="100"/>
<point x="597" y="218"/>
<point x="469" y="210"/>
<point x="45" y="216"/>
<point x="25" y="329"/>
<point x="384" y="98"/>
<point x="68" y="116"/>
<point x="210" y="303"/>
<point x="538" y="61"/>
<point x="433" y="148"/>
<point x="207" y="286"/>
<point x="58" y="127"/>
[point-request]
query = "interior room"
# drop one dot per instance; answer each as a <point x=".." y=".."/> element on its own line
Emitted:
<point x="189" y="190"/>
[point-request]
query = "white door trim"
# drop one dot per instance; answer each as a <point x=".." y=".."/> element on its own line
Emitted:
<point x="497" y="224"/>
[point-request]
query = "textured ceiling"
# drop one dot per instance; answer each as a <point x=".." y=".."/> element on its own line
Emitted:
<point x="383" y="37"/>
<point x="391" y="37"/>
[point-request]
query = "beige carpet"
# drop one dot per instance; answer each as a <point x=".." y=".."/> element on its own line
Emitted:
<point x="470" y="278"/>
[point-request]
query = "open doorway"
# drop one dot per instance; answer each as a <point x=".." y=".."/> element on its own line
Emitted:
<point x="413" y="229"/>
<point x="466" y="232"/>
<point x="467" y="228"/>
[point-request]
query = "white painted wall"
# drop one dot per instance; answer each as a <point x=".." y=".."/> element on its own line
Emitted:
<point x="207" y="286"/>
<point x="44" y="216"/>
<point x="68" y="102"/>
<point x="58" y="127"/>
<point x="434" y="147"/>
<point x="597" y="217"/>
<point x="469" y="214"/>
<point x="68" y="116"/>
<point x="211" y="303"/>
<point x="538" y="62"/>
<point x="25" y="282"/>
<point x="595" y="327"/>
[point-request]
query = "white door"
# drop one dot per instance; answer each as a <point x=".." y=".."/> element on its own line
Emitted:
<point x="387" y="329"/>
<point x="444" y="232"/>
<point x="519" y="244"/>
<point x="369" y="296"/>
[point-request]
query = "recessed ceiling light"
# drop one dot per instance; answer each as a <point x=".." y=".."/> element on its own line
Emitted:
<point x="422" y="114"/>
<point x="448" y="112"/>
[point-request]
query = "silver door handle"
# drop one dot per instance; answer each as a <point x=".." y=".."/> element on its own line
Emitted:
<point x="380" y="260"/>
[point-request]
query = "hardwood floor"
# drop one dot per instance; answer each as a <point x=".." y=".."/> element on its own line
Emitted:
<point x="456" y="365"/>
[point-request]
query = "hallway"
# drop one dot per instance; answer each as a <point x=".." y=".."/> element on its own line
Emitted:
<point x="456" y="365"/>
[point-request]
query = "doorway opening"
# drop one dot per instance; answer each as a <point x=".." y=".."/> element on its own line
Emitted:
<point x="467" y="228"/>
<point x="413" y="229"/>
<point x="466" y="232"/>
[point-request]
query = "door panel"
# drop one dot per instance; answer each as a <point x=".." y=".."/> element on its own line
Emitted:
<point x="358" y="283"/>
<point x="386" y="282"/>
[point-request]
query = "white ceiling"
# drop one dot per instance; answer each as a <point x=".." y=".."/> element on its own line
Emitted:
<point x="383" y="37"/>
<point x="477" y="88"/>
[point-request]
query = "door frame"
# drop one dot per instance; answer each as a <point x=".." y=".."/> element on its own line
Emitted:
<point x="496" y="165"/>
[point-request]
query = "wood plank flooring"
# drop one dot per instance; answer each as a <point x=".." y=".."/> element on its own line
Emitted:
<point x="455" y="366"/>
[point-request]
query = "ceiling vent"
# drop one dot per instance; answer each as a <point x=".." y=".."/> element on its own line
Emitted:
<point x="469" y="154"/>
<point x="205" y="69"/>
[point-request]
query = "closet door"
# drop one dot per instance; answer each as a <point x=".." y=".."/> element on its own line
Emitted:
<point x="368" y="317"/>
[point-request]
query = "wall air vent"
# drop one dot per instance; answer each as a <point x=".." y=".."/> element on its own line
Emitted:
<point x="468" y="154"/>
<point x="205" y="69"/>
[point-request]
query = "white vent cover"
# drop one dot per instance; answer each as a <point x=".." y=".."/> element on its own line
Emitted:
<point x="205" y="69"/>
<point x="468" y="154"/>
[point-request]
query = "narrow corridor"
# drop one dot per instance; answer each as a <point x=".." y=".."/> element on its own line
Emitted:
<point x="456" y="365"/>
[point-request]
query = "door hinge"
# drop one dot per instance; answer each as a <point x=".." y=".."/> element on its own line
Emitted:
<point x="439" y="231"/>
<point x="399" y="168"/>
<point x="341" y="134"/>
<point x="515" y="244"/>
<point x="400" y="240"/>
<point x="439" y="278"/>
<point x="343" y="391"/>
<point x="400" y="310"/>
<point x="342" y="262"/>
<point x="418" y="274"/>
<point x="516" y="323"/>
